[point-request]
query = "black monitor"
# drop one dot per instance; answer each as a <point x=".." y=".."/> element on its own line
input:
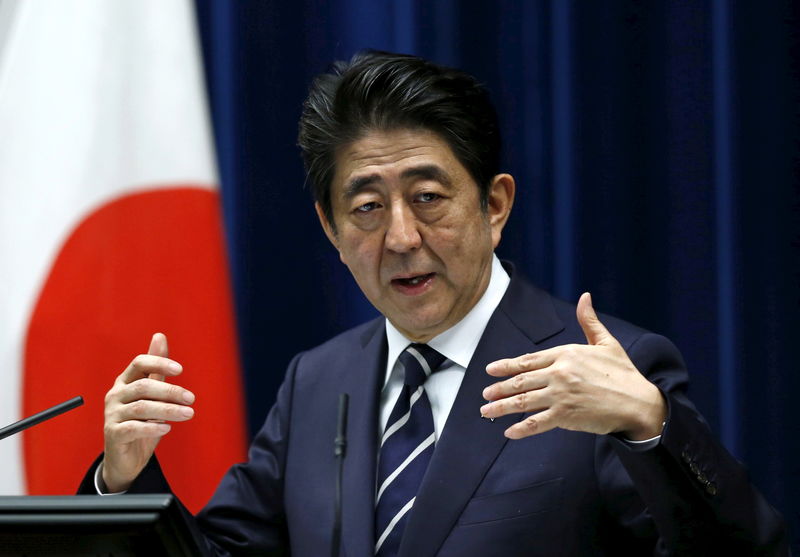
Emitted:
<point x="122" y="525"/>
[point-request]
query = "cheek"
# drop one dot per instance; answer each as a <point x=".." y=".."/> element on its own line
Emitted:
<point x="463" y="249"/>
<point x="464" y="241"/>
<point x="360" y="257"/>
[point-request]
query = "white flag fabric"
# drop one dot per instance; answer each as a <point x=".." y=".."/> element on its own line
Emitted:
<point x="110" y="230"/>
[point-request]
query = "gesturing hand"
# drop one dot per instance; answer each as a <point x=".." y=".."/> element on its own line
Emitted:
<point x="136" y="408"/>
<point x="590" y="387"/>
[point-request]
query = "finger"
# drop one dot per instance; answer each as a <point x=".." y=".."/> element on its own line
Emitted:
<point x="144" y="365"/>
<point x="158" y="347"/>
<point x="526" y="362"/>
<point x="531" y="401"/>
<point x="531" y="425"/>
<point x="519" y="383"/>
<point x="148" y="410"/>
<point x="593" y="329"/>
<point x="149" y="389"/>
<point x="132" y="430"/>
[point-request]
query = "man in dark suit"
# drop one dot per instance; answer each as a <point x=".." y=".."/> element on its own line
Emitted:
<point x="556" y="432"/>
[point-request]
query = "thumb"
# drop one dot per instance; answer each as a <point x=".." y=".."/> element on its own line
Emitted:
<point x="595" y="331"/>
<point x="158" y="347"/>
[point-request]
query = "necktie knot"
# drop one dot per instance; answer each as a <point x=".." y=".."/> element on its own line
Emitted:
<point x="419" y="361"/>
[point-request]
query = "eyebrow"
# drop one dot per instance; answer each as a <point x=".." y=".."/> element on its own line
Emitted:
<point x="425" y="171"/>
<point x="357" y="184"/>
<point x="429" y="172"/>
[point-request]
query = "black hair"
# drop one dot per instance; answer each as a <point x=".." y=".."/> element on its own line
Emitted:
<point x="384" y="91"/>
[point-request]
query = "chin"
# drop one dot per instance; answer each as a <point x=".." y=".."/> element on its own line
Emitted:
<point x="422" y="329"/>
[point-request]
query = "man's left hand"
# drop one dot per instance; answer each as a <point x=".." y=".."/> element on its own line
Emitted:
<point x="590" y="387"/>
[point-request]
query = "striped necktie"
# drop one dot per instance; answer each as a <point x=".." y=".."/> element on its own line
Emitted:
<point x="406" y="448"/>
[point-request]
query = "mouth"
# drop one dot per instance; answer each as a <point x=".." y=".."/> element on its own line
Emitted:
<point x="413" y="284"/>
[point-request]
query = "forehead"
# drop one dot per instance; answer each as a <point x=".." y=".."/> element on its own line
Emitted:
<point x="386" y="154"/>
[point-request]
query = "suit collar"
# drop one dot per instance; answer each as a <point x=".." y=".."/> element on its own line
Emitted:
<point x="469" y="444"/>
<point x="530" y="309"/>
<point x="358" y="500"/>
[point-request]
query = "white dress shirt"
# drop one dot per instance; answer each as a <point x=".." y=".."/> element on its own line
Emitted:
<point x="457" y="344"/>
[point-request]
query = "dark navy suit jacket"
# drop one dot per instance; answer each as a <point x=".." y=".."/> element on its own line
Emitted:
<point x="558" y="493"/>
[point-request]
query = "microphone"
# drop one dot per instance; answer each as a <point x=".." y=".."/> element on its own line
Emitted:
<point x="339" y="450"/>
<point x="31" y="421"/>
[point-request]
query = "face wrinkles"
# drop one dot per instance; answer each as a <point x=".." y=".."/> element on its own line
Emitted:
<point x="361" y="161"/>
<point x="410" y="228"/>
<point x="423" y="171"/>
<point x="378" y="153"/>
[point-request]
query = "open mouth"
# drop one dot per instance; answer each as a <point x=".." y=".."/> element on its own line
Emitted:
<point x="413" y="282"/>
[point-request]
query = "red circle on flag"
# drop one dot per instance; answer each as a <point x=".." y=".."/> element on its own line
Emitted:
<point x="147" y="262"/>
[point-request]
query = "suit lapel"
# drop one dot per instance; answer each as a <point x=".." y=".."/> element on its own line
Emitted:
<point x="363" y="386"/>
<point x="469" y="444"/>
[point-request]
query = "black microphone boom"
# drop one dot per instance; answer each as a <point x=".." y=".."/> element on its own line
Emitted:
<point x="31" y="421"/>
<point x="340" y="444"/>
<point x="339" y="450"/>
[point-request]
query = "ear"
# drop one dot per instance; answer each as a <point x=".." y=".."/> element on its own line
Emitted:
<point x="501" y="199"/>
<point x="326" y="225"/>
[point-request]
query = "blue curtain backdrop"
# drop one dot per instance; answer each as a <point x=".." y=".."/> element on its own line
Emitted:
<point x="655" y="145"/>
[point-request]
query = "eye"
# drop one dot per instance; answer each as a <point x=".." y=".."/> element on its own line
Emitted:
<point x="366" y="207"/>
<point x="427" y="197"/>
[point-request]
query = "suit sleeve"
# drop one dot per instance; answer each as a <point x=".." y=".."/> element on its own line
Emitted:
<point x="246" y="513"/>
<point x="697" y="496"/>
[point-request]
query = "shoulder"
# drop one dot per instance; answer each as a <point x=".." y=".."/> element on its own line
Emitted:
<point x="333" y="358"/>
<point x="555" y="322"/>
<point x="625" y="332"/>
<point x="352" y="339"/>
<point x="540" y="313"/>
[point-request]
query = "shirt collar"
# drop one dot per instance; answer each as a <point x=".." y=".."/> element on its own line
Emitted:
<point x="458" y="343"/>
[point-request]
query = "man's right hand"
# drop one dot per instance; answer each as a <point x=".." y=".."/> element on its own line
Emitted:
<point x="136" y="411"/>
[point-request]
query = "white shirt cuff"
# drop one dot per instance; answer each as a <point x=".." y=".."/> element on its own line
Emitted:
<point x="643" y="445"/>
<point x="100" y="485"/>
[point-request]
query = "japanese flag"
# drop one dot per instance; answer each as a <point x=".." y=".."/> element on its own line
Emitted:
<point x="110" y="230"/>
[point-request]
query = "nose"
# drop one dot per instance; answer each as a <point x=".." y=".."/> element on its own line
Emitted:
<point x="402" y="232"/>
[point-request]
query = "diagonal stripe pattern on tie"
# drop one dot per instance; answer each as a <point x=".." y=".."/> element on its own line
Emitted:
<point x="406" y="448"/>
